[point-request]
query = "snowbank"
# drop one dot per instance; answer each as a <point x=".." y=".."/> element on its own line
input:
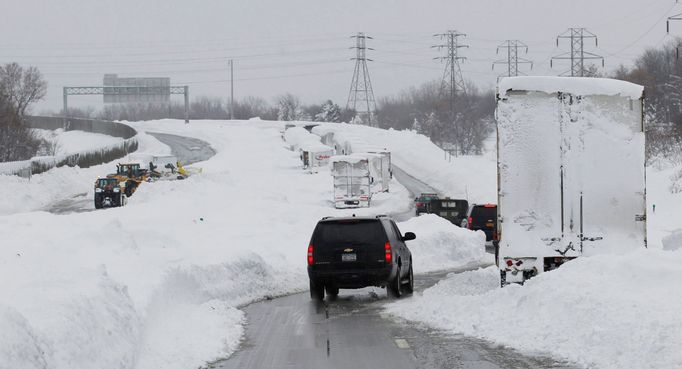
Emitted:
<point x="602" y="311"/>
<point x="71" y="142"/>
<point x="440" y="245"/>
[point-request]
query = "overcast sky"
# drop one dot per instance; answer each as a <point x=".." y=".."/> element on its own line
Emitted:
<point x="302" y="46"/>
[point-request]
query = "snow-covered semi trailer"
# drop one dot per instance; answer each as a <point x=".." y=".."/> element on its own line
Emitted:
<point x="356" y="178"/>
<point x="570" y="168"/>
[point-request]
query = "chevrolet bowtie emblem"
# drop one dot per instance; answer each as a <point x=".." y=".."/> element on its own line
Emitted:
<point x="348" y="250"/>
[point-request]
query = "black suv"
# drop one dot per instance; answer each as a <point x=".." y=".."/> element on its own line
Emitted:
<point x="357" y="252"/>
<point x="482" y="218"/>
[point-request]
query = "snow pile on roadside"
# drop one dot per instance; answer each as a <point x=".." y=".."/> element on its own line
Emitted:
<point x="441" y="245"/>
<point x="471" y="177"/>
<point x="158" y="283"/>
<point x="604" y="311"/>
<point x="40" y="190"/>
<point x="71" y="142"/>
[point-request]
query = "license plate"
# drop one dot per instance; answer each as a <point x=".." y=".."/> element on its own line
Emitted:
<point x="348" y="257"/>
<point x="490" y="225"/>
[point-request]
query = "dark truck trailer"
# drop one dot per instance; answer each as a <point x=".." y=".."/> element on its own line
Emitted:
<point x="454" y="210"/>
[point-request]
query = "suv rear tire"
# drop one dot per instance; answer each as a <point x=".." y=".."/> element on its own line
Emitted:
<point x="395" y="286"/>
<point x="409" y="287"/>
<point x="332" y="291"/>
<point x="316" y="291"/>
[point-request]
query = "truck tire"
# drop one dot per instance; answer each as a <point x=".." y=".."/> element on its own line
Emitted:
<point x="316" y="291"/>
<point x="395" y="286"/>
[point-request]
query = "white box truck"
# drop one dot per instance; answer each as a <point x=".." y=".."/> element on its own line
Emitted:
<point x="571" y="171"/>
<point x="356" y="178"/>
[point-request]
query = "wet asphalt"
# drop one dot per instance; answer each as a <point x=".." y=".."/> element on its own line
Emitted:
<point x="352" y="331"/>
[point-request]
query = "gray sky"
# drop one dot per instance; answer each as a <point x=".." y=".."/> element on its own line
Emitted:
<point x="302" y="46"/>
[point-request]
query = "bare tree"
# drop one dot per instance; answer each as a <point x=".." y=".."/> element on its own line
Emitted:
<point x="19" y="89"/>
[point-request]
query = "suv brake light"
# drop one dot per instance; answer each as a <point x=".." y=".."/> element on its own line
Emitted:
<point x="470" y="222"/>
<point x="388" y="256"/>
<point x="310" y="255"/>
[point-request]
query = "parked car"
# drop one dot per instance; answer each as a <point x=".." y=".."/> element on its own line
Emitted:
<point x="454" y="210"/>
<point x="422" y="203"/>
<point x="357" y="252"/>
<point x="482" y="217"/>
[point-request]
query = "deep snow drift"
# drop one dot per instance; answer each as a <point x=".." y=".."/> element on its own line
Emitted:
<point x="601" y="311"/>
<point x="158" y="283"/>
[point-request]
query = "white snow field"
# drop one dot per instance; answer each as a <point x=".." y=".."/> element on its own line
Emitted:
<point x="158" y="283"/>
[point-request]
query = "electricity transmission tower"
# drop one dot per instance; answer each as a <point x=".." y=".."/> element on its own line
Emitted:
<point x="513" y="60"/>
<point x="361" y="96"/>
<point x="577" y="55"/>
<point x="675" y="17"/>
<point x="452" y="82"/>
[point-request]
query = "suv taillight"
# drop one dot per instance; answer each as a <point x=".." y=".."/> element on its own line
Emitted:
<point x="310" y="255"/>
<point x="470" y="222"/>
<point x="388" y="256"/>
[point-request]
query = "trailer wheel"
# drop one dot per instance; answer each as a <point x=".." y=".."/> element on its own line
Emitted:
<point x="503" y="278"/>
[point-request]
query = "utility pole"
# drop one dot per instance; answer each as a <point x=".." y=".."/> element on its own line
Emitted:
<point x="361" y="95"/>
<point x="577" y="55"/>
<point x="452" y="82"/>
<point x="231" y="61"/>
<point x="513" y="60"/>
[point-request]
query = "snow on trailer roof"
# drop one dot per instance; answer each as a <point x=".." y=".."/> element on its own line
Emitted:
<point x="314" y="146"/>
<point x="353" y="158"/>
<point x="573" y="85"/>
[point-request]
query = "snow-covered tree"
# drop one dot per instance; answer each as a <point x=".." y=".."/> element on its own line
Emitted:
<point x="417" y="126"/>
<point x="329" y="112"/>
<point x="289" y="107"/>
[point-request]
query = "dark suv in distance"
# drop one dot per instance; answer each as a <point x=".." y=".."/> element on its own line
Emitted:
<point x="422" y="203"/>
<point x="357" y="252"/>
<point x="483" y="218"/>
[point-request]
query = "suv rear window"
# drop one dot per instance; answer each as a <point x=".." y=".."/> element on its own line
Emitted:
<point x="349" y="232"/>
<point x="482" y="212"/>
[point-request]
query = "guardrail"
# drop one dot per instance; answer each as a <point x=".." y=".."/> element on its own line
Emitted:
<point x="82" y="159"/>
